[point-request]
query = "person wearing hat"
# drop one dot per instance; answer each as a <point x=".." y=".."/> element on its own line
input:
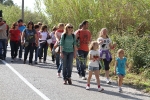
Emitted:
<point x="21" y="28"/>
<point x="3" y="39"/>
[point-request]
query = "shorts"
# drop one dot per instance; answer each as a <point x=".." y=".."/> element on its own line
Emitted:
<point x="90" y="68"/>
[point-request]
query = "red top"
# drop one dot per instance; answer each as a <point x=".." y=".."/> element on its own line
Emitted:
<point x="85" y="37"/>
<point x="14" y="35"/>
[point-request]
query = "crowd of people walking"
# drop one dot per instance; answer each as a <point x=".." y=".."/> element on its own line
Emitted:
<point x="65" y="46"/>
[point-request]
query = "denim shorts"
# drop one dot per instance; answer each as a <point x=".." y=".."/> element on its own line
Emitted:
<point x="91" y="68"/>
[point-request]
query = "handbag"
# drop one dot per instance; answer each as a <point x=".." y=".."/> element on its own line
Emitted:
<point x="49" y="41"/>
<point x="57" y="49"/>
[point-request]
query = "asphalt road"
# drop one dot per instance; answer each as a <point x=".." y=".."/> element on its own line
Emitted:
<point x="20" y="81"/>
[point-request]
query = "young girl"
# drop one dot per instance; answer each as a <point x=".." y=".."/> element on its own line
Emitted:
<point x="105" y="45"/>
<point x="94" y="65"/>
<point x="120" y="65"/>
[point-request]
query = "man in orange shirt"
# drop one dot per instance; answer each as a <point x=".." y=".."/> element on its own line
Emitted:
<point x="84" y="36"/>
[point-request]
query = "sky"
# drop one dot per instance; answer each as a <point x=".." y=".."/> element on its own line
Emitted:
<point x="27" y="3"/>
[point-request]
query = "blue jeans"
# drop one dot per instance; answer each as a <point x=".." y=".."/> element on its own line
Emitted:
<point x="45" y="47"/>
<point x="36" y="53"/>
<point x="67" y="65"/>
<point x="81" y="67"/>
<point x="3" y="46"/>
<point x="60" y="66"/>
<point x="57" y="60"/>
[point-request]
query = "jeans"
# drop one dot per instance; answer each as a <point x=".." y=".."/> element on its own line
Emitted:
<point x="3" y="46"/>
<point x="81" y="65"/>
<point x="29" y="48"/>
<point x="36" y="53"/>
<point x="60" y="66"/>
<point x="45" y="47"/>
<point x="20" y="49"/>
<point x="57" y="60"/>
<point x="67" y="64"/>
<point x="14" y="48"/>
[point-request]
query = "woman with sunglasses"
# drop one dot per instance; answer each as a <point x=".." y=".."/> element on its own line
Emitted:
<point x="30" y="41"/>
<point x="14" y="34"/>
<point x="67" y="52"/>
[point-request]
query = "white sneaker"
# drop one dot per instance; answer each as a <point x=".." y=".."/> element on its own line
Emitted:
<point x="87" y="87"/>
<point x="84" y="78"/>
<point x="108" y="81"/>
<point x="100" y="89"/>
<point x="58" y="75"/>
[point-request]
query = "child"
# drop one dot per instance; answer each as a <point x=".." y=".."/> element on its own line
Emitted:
<point x="120" y="67"/>
<point x="94" y="65"/>
<point x="105" y="44"/>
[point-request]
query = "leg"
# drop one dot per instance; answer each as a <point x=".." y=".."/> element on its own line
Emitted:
<point x="120" y="80"/>
<point x="106" y="64"/>
<point x="4" y="48"/>
<point x="57" y="60"/>
<point x="32" y="46"/>
<point x="12" y="46"/>
<point x="20" y="49"/>
<point x="64" y="73"/>
<point x="40" y="51"/>
<point x="26" y="53"/>
<point x="16" y="49"/>
<point x="89" y="77"/>
<point x="97" y="72"/>
<point x="45" y="52"/>
<point x="1" y="47"/>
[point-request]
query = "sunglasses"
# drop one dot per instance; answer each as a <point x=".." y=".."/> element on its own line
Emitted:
<point x="70" y="27"/>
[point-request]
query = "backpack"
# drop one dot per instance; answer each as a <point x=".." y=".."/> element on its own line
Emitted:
<point x="65" y="36"/>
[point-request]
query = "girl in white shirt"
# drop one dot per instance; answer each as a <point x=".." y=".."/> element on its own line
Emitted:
<point x="94" y="65"/>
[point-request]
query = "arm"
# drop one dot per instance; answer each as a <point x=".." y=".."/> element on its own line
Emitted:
<point x="22" y="38"/>
<point x="57" y="37"/>
<point x="115" y="67"/>
<point x="36" y="39"/>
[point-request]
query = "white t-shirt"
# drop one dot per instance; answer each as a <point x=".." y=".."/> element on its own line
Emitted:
<point x="104" y="45"/>
<point x="44" y="35"/>
<point x="91" y="62"/>
<point x="52" y="34"/>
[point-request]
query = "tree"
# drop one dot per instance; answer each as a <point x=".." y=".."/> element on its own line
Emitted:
<point x="8" y="2"/>
<point x="1" y="1"/>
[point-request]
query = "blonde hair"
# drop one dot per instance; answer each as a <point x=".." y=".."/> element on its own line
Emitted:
<point x="101" y="32"/>
<point x="65" y="29"/>
<point x="60" y="25"/>
<point x="92" y="45"/>
<point x="119" y="51"/>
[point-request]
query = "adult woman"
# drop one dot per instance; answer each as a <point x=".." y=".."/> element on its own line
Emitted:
<point x="67" y="52"/>
<point x="14" y="34"/>
<point x="30" y="41"/>
<point x="43" y="43"/>
<point x="105" y="44"/>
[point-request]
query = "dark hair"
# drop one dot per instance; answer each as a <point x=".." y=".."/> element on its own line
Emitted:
<point x="84" y="22"/>
<point x="36" y="26"/>
<point x="13" y="25"/>
<point x="43" y="27"/>
<point x="20" y="20"/>
<point x="30" y="22"/>
<point x="4" y="21"/>
<point x="54" y="28"/>
<point x="80" y="26"/>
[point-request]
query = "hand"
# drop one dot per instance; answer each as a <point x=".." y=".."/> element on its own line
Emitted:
<point x="36" y="45"/>
<point x="75" y="55"/>
<point x="61" y="55"/>
<point x="115" y="72"/>
<point x="22" y="43"/>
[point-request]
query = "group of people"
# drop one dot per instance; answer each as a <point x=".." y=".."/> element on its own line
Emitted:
<point x="65" y="45"/>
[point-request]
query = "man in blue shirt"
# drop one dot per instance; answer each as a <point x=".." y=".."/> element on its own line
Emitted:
<point x="21" y="28"/>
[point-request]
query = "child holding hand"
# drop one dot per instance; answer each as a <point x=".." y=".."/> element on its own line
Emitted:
<point x="94" y="65"/>
<point x="120" y="65"/>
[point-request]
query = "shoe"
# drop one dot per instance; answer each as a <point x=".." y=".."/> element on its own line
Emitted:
<point x="35" y="62"/>
<point x="79" y="76"/>
<point x="40" y="61"/>
<point x="87" y="87"/>
<point x="120" y="90"/>
<point x="58" y="75"/>
<point x="84" y="78"/>
<point x="12" y="60"/>
<point x="65" y="82"/>
<point x="69" y="81"/>
<point x="44" y="61"/>
<point x="24" y="61"/>
<point x="108" y="81"/>
<point x="30" y="63"/>
<point x="100" y="89"/>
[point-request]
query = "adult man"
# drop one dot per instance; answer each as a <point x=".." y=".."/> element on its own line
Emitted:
<point x="3" y="39"/>
<point x="21" y="28"/>
<point x="84" y="36"/>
